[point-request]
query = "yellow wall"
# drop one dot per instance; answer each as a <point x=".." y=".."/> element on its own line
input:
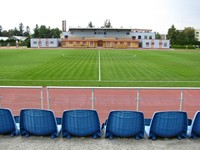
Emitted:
<point x="87" y="44"/>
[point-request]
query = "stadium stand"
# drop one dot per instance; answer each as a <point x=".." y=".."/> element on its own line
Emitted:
<point x="82" y="123"/>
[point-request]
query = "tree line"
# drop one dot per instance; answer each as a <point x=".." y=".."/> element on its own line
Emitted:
<point x="46" y="32"/>
<point x="16" y="31"/>
<point x="39" y="32"/>
<point x="107" y="24"/>
<point x="182" y="38"/>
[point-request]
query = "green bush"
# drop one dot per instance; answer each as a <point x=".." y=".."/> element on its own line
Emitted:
<point x="26" y="42"/>
<point x="183" y="46"/>
<point x="8" y="42"/>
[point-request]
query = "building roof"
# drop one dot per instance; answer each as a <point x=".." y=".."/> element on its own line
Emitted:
<point x="3" y="38"/>
<point x="104" y="29"/>
<point x="141" y="30"/>
<point x="22" y="38"/>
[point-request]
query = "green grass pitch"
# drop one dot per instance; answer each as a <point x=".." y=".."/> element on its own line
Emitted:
<point x="93" y="67"/>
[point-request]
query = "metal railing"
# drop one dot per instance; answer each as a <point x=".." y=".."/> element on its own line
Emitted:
<point x="102" y="99"/>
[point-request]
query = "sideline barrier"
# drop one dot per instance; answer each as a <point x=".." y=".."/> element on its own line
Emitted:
<point x="19" y="97"/>
<point x="101" y="99"/>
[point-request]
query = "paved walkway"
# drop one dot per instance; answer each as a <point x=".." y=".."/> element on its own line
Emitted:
<point x="45" y="143"/>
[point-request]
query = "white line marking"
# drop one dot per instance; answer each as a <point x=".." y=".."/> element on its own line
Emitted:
<point x="10" y="80"/>
<point x="147" y="81"/>
<point x="99" y="66"/>
<point x="14" y="80"/>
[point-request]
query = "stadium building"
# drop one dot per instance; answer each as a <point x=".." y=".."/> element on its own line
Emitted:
<point x="44" y="42"/>
<point x="99" y="37"/>
<point x="119" y="38"/>
<point x="110" y="38"/>
<point x="197" y="34"/>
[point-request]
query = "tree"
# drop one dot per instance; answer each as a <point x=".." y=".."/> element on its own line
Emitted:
<point x="36" y="31"/>
<point x="182" y="37"/>
<point x="107" y="24"/>
<point x="27" y="32"/>
<point x="16" y="32"/>
<point x="190" y="35"/>
<point x="21" y="29"/>
<point x="5" y="33"/>
<point x="158" y="36"/>
<point x="171" y="35"/>
<point x="42" y="31"/>
<point x="1" y="30"/>
<point x="55" y="33"/>
<point x="90" y="25"/>
<point x="13" y="32"/>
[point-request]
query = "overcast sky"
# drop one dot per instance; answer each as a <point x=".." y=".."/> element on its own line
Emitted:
<point x="157" y="15"/>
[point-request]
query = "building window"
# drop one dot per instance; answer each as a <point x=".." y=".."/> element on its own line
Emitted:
<point x="84" y="42"/>
<point x="160" y="43"/>
<point x="39" y="42"/>
<point x="150" y="37"/>
<point x="152" y="43"/>
<point x="115" y="43"/>
<point x="70" y="42"/>
<point x="35" y="42"/>
<point x="133" y="37"/>
<point x="108" y="43"/>
<point x="139" y="37"/>
<point x="91" y="43"/>
<point x="165" y="44"/>
<point x="77" y="42"/>
<point x="121" y="42"/>
<point x="145" y="37"/>
<point x="147" y="44"/>
<point x="128" y="43"/>
<point x="51" y="42"/>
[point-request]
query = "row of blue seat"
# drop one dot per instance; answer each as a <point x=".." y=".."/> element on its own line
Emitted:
<point x="86" y="123"/>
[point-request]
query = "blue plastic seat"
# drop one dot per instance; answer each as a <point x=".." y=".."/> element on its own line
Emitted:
<point x="7" y="123"/>
<point x="167" y="124"/>
<point x="194" y="128"/>
<point x="38" y="122"/>
<point x="80" y="123"/>
<point x="124" y="124"/>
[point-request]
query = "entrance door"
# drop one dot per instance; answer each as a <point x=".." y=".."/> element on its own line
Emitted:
<point x="100" y="43"/>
